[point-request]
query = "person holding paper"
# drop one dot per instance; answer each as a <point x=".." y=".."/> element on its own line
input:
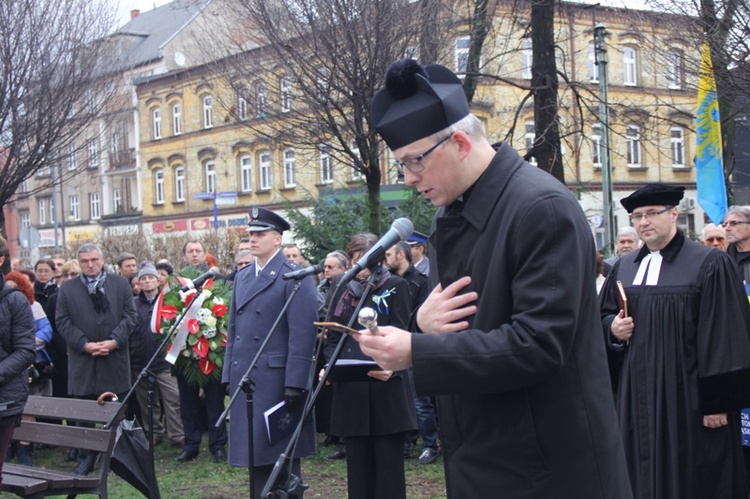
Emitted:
<point x="284" y="370"/>
<point x="373" y="414"/>
<point x="680" y="357"/>
<point x="512" y="344"/>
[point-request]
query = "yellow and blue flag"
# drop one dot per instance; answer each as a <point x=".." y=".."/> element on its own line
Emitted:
<point x="712" y="192"/>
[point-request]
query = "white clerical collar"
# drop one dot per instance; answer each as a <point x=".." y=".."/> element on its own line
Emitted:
<point x="649" y="268"/>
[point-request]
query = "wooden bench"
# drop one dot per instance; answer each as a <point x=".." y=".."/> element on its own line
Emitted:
<point x="28" y="481"/>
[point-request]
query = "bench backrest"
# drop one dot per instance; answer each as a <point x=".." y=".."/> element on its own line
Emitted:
<point x="69" y="435"/>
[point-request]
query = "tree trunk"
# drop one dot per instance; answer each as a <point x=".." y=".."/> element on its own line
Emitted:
<point x="546" y="148"/>
<point x="478" y="36"/>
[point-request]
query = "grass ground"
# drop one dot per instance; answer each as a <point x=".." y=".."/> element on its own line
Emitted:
<point x="205" y="479"/>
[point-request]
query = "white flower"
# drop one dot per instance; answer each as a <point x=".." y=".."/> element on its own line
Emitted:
<point x="185" y="294"/>
<point x="210" y="321"/>
<point x="206" y="294"/>
<point x="210" y="332"/>
<point x="218" y="301"/>
<point x="203" y="315"/>
<point x="187" y="353"/>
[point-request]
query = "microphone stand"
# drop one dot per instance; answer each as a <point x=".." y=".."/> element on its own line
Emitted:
<point x="150" y="380"/>
<point x="292" y="487"/>
<point x="248" y="386"/>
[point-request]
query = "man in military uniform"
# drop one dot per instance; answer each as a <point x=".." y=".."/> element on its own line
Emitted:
<point x="283" y="372"/>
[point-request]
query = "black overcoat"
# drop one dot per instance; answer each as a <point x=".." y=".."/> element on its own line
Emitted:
<point x="525" y="406"/>
<point x="75" y="317"/>
<point x="367" y="408"/>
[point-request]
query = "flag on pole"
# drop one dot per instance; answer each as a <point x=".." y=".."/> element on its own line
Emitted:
<point x="712" y="193"/>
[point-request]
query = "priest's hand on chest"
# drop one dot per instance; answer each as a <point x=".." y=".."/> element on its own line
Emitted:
<point x="445" y="309"/>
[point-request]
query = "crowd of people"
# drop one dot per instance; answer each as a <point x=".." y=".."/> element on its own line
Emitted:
<point x="535" y="369"/>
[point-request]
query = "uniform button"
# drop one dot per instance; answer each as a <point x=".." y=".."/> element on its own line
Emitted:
<point x="257" y="338"/>
<point x="257" y="312"/>
<point x="235" y="362"/>
<point x="238" y="338"/>
<point x="239" y="311"/>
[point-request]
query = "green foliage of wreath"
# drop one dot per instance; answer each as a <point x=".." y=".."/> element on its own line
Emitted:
<point x="202" y="358"/>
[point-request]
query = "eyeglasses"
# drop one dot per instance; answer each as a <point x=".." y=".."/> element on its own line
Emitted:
<point x="717" y="239"/>
<point x="648" y="215"/>
<point x="415" y="165"/>
<point x="72" y="275"/>
<point x="733" y="223"/>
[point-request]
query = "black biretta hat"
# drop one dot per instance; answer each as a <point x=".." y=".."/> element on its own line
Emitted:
<point x="262" y="219"/>
<point x="655" y="194"/>
<point x="417" y="102"/>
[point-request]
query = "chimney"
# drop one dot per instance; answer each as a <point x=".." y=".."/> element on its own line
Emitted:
<point x="134" y="13"/>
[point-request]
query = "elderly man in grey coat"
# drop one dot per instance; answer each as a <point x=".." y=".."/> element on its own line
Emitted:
<point x="96" y="315"/>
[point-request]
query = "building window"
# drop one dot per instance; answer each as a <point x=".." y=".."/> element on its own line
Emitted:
<point x="674" y="69"/>
<point x="93" y="151"/>
<point x="355" y="173"/>
<point x="677" y="143"/>
<point x="156" y="120"/>
<point x="290" y="168"/>
<point x="176" y="119"/>
<point x="117" y="200"/>
<point x="72" y="159"/>
<point x="593" y="68"/>
<point x="210" y="168"/>
<point x="24" y="186"/>
<point x="326" y="165"/>
<point x="25" y="219"/>
<point x="530" y="137"/>
<point x="246" y="173"/>
<point x="633" y="137"/>
<point x="285" y="94"/>
<point x="75" y="207"/>
<point x="323" y="75"/>
<point x="527" y="58"/>
<point x="462" y="53"/>
<point x="179" y="183"/>
<point x="596" y="145"/>
<point x="114" y="147"/>
<point x="95" y="206"/>
<point x="630" y="66"/>
<point x="411" y="52"/>
<point x="208" y="112"/>
<point x="264" y="166"/>
<point x="52" y="217"/>
<point x="241" y="105"/>
<point x="260" y="99"/>
<point x="159" y="186"/>
<point x="42" y="209"/>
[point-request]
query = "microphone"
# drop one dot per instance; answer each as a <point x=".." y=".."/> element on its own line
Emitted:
<point x="198" y="281"/>
<point x="400" y="230"/>
<point x="369" y="318"/>
<point x="302" y="273"/>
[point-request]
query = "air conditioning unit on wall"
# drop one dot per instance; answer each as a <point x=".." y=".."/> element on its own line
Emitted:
<point x="687" y="204"/>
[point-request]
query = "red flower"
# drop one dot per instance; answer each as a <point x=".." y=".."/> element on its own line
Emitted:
<point x="201" y="348"/>
<point x="193" y="326"/>
<point x="189" y="298"/>
<point x="219" y="310"/>
<point x="223" y="339"/>
<point x="169" y="312"/>
<point x="206" y="366"/>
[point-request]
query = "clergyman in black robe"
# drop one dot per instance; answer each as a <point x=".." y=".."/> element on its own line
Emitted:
<point x="680" y="361"/>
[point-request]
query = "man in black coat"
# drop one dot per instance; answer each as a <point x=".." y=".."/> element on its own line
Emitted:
<point x="96" y="316"/>
<point x="512" y="343"/>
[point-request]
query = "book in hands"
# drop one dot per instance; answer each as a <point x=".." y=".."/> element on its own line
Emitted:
<point x="622" y="298"/>
<point x="349" y="370"/>
<point x="280" y="423"/>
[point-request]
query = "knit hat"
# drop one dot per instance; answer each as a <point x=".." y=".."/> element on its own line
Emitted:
<point x="147" y="268"/>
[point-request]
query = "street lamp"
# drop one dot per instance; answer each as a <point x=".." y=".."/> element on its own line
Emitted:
<point x="600" y="53"/>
